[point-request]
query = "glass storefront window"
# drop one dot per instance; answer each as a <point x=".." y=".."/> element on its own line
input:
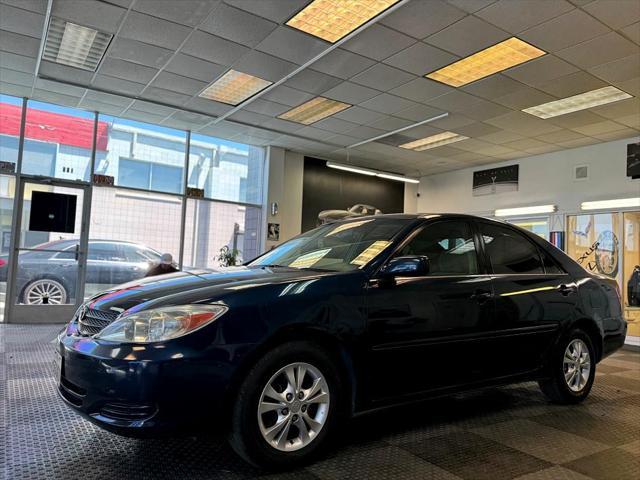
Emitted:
<point x="58" y="141"/>
<point x="10" y="118"/>
<point x="226" y="170"/>
<point x="128" y="232"/>
<point x="140" y="155"/>
<point x="593" y="241"/>
<point x="631" y="271"/>
<point x="211" y="226"/>
<point x="539" y="226"/>
<point x="7" y="191"/>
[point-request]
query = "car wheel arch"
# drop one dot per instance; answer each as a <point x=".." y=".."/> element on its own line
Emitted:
<point x="328" y="343"/>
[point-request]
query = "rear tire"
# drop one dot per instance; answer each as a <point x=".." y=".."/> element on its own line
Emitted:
<point x="572" y="369"/>
<point x="296" y="385"/>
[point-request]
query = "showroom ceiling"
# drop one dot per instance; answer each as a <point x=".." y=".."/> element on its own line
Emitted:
<point x="165" y="53"/>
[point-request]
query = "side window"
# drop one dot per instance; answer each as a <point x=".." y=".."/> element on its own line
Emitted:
<point x="550" y="265"/>
<point x="104" y="251"/>
<point x="449" y="247"/>
<point x="138" y="254"/>
<point x="509" y="251"/>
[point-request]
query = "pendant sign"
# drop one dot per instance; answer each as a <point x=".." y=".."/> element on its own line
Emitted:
<point x="103" y="180"/>
<point x="195" y="192"/>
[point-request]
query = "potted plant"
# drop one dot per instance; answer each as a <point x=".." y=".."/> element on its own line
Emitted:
<point x="228" y="257"/>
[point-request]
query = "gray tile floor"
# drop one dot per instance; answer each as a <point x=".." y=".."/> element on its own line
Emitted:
<point x="501" y="433"/>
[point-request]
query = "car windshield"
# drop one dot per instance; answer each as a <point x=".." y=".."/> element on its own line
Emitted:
<point x="340" y="247"/>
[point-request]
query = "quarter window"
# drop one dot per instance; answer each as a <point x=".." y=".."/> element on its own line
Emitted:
<point x="449" y="247"/>
<point x="509" y="251"/>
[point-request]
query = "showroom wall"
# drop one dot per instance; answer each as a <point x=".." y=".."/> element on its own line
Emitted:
<point x="544" y="179"/>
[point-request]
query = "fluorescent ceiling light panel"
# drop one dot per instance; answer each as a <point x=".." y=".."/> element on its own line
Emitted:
<point x="501" y="56"/>
<point x="74" y="45"/>
<point x="234" y="87"/>
<point x="372" y="173"/>
<point x="607" y="204"/>
<point x="314" y="110"/>
<point x="433" y="141"/>
<point x="533" y="210"/>
<point x="331" y="20"/>
<point x="582" y="101"/>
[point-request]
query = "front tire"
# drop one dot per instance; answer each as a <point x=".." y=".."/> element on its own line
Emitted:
<point x="287" y="407"/>
<point x="572" y="369"/>
<point x="45" y="291"/>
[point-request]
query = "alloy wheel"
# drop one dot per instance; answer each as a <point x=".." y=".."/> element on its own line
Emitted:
<point x="293" y="407"/>
<point x="576" y="365"/>
<point x="45" y="292"/>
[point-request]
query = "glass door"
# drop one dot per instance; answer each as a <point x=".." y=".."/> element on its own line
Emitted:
<point x="49" y="249"/>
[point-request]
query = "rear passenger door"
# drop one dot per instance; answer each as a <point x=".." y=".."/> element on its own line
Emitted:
<point x="533" y="296"/>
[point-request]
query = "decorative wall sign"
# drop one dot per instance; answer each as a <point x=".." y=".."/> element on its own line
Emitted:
<point x="633" y="160"/>
<point x="496" y="180"/>
<point x="273" y="232"/>
<point x="195" y="192"/>
<point x="103" y="180"/>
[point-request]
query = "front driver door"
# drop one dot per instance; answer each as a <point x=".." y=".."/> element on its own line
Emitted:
<point x="422" y="331"/>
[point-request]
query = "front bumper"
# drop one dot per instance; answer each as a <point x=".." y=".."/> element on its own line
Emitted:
<point x="144" y="390"/>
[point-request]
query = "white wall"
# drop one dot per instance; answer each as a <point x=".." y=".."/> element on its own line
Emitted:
<point x="544" y="179"/>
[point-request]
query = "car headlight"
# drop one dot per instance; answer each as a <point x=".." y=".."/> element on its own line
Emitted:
<point x="160" y="324"/>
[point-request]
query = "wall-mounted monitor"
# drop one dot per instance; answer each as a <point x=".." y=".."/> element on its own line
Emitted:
<point x="633" y="160"/>
<point x="52" y="212"/>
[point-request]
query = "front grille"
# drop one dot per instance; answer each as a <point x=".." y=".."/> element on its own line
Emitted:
<point x="128" y="411"/>
<point x="92" y="321"/>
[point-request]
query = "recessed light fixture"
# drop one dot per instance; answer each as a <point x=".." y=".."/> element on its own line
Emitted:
<point x="74" y="45"/>
<point x="433" y="141"/>
<point x="372" y="173"/>
<point x="582" y="101"/>
<point x="501" y="56"/>
<point x="234" y="87"/>
<point x="314" y="110"/>
<point x="533" y="210"/>
<point x="607" y="204"/>
<point x="331" y="20"/>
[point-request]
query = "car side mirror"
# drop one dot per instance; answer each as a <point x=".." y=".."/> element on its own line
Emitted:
<point x="406" y="266"/>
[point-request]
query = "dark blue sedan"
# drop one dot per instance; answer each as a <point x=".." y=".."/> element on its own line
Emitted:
<point x="346" y="319"/>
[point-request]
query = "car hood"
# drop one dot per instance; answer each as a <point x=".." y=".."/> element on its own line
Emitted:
<point x="208" y="284"/>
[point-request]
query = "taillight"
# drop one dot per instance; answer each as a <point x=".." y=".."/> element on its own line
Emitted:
<point x="2" y="263"/>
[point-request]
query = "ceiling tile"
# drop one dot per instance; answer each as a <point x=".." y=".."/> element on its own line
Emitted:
<point x="417" y="113"/>
<point x="517" y="15"/>
<point x="238" y="25"/>
<point x="93" y="96"/>
<point x="142" y="106"/>
<point x="143" y="116"/>
<point x="386" y="103"/>
<point x="378" y="42"/>
<point x="619" y="70"/>
<point x="481" y="110"/>
<point x="293" y="45"/>
<point x="56" y="98"/>
<point x="89" y="13"/>
<point x="382" y="77"/>
<point x="359" y="115"/>
<point x="16" y="78"/>
<point x="467" y="36"/>
<point x="479" y="129"/>
<point x="138" y="52"/>
<point x="282" y="125"/>
<point x="631" y="86"/>
<point x="287" y="96"/>
<point x="421" y="19"/>
<point x="185" y="12"/>
<point x="421" y="59"/>
<point x="194" y="67"/>
<point x="343" y="140"/>
<point x="127" y="70"/>
<point x="154" y="31"/>
<point x="617" y="134"/>
<point x="113" y="84"/>
<point x="364" y="132"/>
<point x="566" y="30"/>
<point x="500" y="137"/>
<point x="37" y="6"/>
<point x="452" y="121"/>
<point x="494" y="86"/>
<point x="470" y="6"/>
<point x="165" y="96"/>
<point x="264" y="66"/>
<point x="632" y="32"/>
<point x="523" y="124"/>
<point x="104" y="108"/>
<point x="525" y="98"/>
<point x="178" y="83"/>
<point x="600" y="50"/>
<point x="59" y="87"/>
<point x="335" y="125"/>
<point x="266" y="107"/>
<point x="389" y="123"/>
<point x="21" y="21"/>
<point x="560" y="136"/>
<point x="210" y="107"/>
<point x="17" y="62"/>
<point x="421" y="90"/>
<point x="630" y="106"/>
<point x="274" y="10"/>
<point x="616" y="15"/>
<point x="342" y="63"/>
<point x="64" y="72"/>
<point x="311" y="81"/>
<point x="314" y="133"/>
<point x="19" y="44"/>
<point x="214" y="49"/>
<point x="575" y="119"/>
<point x="350" y="93"/>
<point x="572" y="84"/>
<point x="526" y="144"/>
<point x="540" y="70"/>
<point x="597" y="128"/>
<point x="251" y="118"/>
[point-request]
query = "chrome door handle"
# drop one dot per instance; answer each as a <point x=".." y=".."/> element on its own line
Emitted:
<point x="566" y="289"/>
<point x="481" y="296"/>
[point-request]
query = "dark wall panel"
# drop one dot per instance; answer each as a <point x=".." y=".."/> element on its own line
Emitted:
<point x="330" y="189"/>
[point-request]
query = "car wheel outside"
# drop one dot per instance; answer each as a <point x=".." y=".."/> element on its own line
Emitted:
<point x="572" y="369"/>
<point x="288" y="406"/>
<point x="44" y="291"/>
